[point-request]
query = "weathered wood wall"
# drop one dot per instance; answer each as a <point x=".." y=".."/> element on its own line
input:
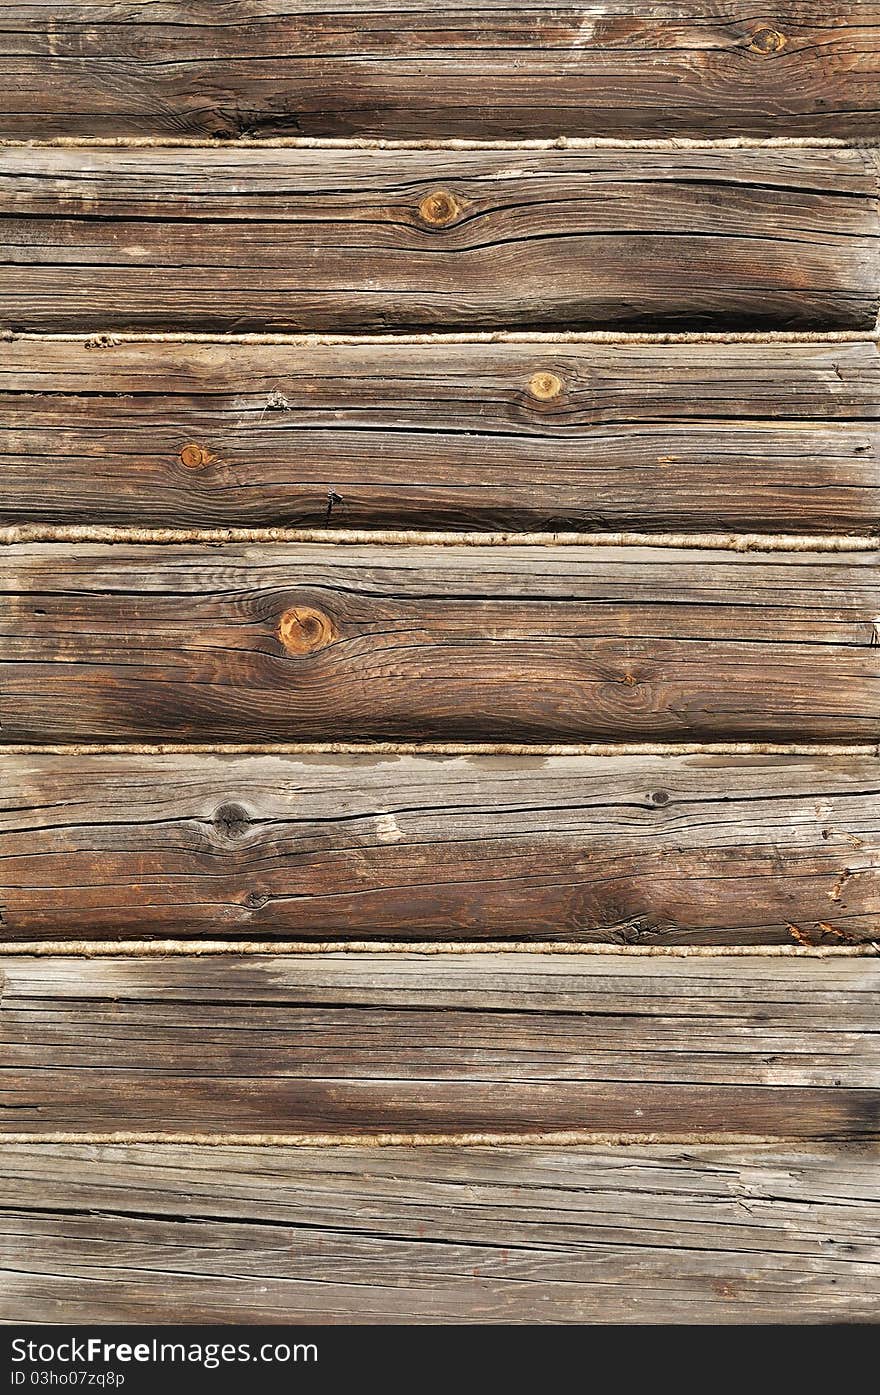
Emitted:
<point x="444" y="433"/>
<point x="260" y="67"/>
<point x="475" y="1044"/>
<point x="702" y="849"/>
<point x="333" y="983"/>
<point x="322" y="238"/>
<point x="302" y="642"/>
<point x="683" y="1234"/>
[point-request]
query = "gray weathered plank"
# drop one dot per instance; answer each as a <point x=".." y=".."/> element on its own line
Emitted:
<point x="779" y="437"/>
<point x="359" y="1044"/>
<point x="507" y="69"/>
<point x="628" y="849"/>
<point x="307" y="642"/>
<point x="329" y="238"/>
<point x="675" y="1234"/>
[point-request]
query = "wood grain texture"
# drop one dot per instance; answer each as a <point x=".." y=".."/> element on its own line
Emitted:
<point x="641" y="1234"/>
<point x="382" y="239"/>
<point x="363" y="1044"/>
<point x="511" y="69"/>
<point x="499" y="1044"/>
<point x="624" y="849"/>
<point x="779" y="437"/>
<point x="309" y="642"/>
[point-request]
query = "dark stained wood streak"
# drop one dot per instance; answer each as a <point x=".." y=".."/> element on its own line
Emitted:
<point x="779" y="437"/>
<point x="380" y="239"/>
<point x="173" y="642"/>
<point x="515" y="69"/>
<point x="497" y="1044"/>
<point x="625" y="849"/>
<point x="666" y="1234"/>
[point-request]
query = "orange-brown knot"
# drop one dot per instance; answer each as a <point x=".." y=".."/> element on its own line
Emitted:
<point x="439" y="208"/>
<point x="767" y="41"/>
<point x="195" y="457"/>
<point x="303" y="630"/>
<point x="545" y="386"/>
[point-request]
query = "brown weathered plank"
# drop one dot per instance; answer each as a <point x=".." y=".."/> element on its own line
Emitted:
<point x="307" y="642"/>
<point x="656" y="1234"/>
<point x="357" y="1044"/>
<point x="444" y="434"/>
<point x="511" y="69"/>
<point x="329" y="238"/>
<point x="629" y="849"/>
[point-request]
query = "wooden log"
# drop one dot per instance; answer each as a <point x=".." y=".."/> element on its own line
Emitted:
<point x="382" y="239"/>
<point x="634" y="435"/>
<point x="488" y="1044"/>
<point x="672" y="1234"/>
<point x="683" y="68"/>
<point x="307" y="642"/>
<point x="627" y="849"/>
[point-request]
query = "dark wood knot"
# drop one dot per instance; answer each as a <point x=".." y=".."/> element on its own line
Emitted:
<point x="195" y="457"/>
<point x="303" y="630"/>
<point x="231" y="820"/>
<point x="439" y="208"/>
<point x="767" y="41"/>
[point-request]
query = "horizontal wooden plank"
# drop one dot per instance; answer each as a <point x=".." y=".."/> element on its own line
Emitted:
<point x="359" y="1044"/>
<point x="440" y="1235"/>
<point x="329" y="238"/>
<point x="632" y="849"/>
<point x="308" y="642"/>
<point x="779" y="437"/>
<point x="509" y="69"/>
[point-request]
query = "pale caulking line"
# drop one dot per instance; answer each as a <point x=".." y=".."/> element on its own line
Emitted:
<point x="402" y="949"/>
<point x="17" y="534"/>
<point x="568" y="1139"/>
<point x="234" y="145"/>
<point x="108" y="339"/>
<point x="415" y="749"/>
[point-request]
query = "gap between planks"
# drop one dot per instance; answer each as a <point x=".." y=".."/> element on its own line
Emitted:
<point x="559" y="142"/>
<point x="19" y="533"/>
<point x="441" y="748"/>
<point x="566" y="1139"/>
<point x="98" y="339"/>
<point x="159" y="949"/>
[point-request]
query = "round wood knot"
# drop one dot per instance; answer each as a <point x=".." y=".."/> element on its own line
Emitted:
<point x="302" y="630"/>
<point x="439" y="208"/>
<point x="545" y="386"/>
<point x="767" y="41"/>
<point x="231" y="820"/>
<point x="195" y="457"/>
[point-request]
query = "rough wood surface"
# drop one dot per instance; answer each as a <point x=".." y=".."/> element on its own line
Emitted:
<point x="512" y="69"/>
<point x="672" y="1234"/>
<point x="329" y="238"/>
<point x="500" y="1044"/>
<point x="780" y="437"/>
<point x="625" y="849"/>
<point x="310" y="642"/>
